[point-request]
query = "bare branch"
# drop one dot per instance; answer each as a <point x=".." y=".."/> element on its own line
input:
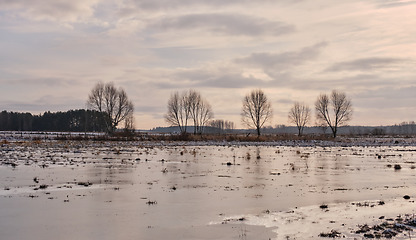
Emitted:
<point x="188" y="106"/>
<point x="111" y="101"/>
<point x="300" y="115"/>
<point x="176" y="113"/>
<point x="341" y="110"/>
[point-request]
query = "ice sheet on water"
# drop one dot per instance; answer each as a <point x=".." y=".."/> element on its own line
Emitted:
<point x="310" y="221"/>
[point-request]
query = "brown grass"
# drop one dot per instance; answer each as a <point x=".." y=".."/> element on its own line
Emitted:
<point x="232" y="137"/>
<point x="123" y="136"/>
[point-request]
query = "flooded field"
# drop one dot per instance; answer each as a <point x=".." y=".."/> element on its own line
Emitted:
<point x="90" y="190"/>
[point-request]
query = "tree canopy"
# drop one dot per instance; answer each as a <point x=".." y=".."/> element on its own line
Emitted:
<point x="113" y="102"/>
<point x="70" y="121"/>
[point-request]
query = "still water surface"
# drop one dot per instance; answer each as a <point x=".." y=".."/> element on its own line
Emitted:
<point x="134" y="192"/>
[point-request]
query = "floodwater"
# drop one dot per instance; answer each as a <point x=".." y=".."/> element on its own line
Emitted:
<point x="76" y="190"/>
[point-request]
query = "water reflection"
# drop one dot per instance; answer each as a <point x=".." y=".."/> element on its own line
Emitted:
<point x="199" y="186"/>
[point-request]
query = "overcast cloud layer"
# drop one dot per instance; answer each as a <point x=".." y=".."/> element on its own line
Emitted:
<point x="54" y="51"/>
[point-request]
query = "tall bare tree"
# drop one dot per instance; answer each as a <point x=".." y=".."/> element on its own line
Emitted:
<point x="257" y="110"/>
<point x="333" y="111"/>
<point x="106" y="98"/>
<point x="188" y="106"/>
<point x="178" y="113"/>
<point x="200" y="110"/>
<point x="299" y="114"/>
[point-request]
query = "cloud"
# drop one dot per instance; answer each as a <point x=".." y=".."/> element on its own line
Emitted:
<point x="255" y="70"/>
<point x="386" y="105"/>
<point x="221" y="48"/>
<point x="46" y="82"/>
<point x="391" y="94"/>
<point x="149" y="109"/>
<point x="44" y="103"/>
<point x="230" y="80"/>
<point x="268" y="60"/>
<point x="217" y="77"/>
<point x="53" y="10"/>
<point x="174" y="4"/>
<point x="394" y="3"/>
<point x="366" y="64"/>
<point x="223" y="24"/>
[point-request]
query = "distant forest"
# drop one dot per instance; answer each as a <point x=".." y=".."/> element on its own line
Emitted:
<point x="71" y="121"/>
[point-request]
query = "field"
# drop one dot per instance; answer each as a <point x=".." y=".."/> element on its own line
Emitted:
<point x="351" y="188"/>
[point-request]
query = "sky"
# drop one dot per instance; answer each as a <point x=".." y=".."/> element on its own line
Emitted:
<point x="53" y="52"/>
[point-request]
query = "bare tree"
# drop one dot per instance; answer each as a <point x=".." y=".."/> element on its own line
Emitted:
<point x="229" y="126"/>
<point x="222" y="126"/>
<point x="178" y="112"/>
<point x="200" y="110"/>
<point x="188" y="106"/>
<point x="106" y="98"/>
<point x="257" y="110"/>
<point x="218" y="125"/>
<point x="129" y="124"/>
<point x="340" y="113"/>
<point x="299" y="114"/>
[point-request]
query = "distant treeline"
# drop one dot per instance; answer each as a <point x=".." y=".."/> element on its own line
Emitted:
<point x="405" y="128"/>
<point x="71" y="121"/>
<point x="93" y="121"/>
